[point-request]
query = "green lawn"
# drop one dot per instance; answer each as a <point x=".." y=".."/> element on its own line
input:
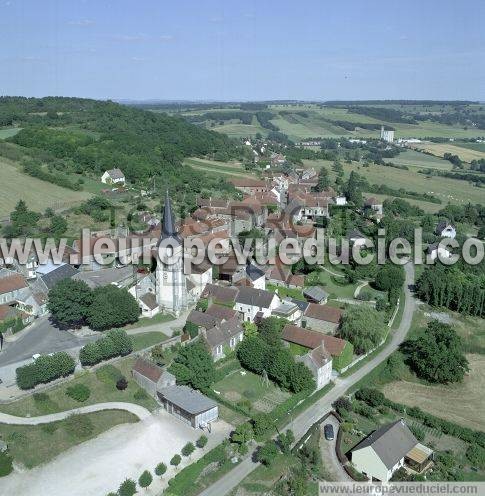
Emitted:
<point x="102" y="384"/>
<point x="37" y="444"/>
<point x="244" y="386"/>
<point x="160" y="318"/>
<point x="286" y="292"/>
<point x="147" y="339"/>
<point x="335" y="290"/>
<point x="227" y="169"/>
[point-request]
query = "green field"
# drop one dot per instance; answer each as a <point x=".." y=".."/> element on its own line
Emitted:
<point x="8" y="132"/>
<point x="37" y="444"/>
<point x="147" y="339"/>
<point x="479" y="147"/>
<point x="211" y="167"/>
<point x="15" y="186"/>
<point x="412" y="158"/>
<point x="446" y="189"/>
<point x="316" y="124"/>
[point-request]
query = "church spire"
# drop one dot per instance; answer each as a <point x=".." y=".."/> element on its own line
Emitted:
<point x="168" y="224"/>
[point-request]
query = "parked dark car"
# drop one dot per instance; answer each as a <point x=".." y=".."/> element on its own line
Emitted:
<point x="328" y="432"/>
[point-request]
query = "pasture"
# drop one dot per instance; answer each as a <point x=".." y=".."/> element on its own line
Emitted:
<point x="446" y="189"/>
<point x="226" y="168"/>
<point x="15" y="186"/>
<point x="439" y="149"/>
<point x="446" y="401"/>
<point x="413" y="158"/>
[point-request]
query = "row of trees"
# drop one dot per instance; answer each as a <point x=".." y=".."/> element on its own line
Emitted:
<point x="115" y="343"/>
<point x="45" y="369"/>
<point x="72" y="304"/>
<point x="458" y="288"/>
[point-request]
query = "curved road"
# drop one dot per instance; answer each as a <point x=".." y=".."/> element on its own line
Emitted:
<point x="321" y="407"/>
<point x="140" y="411"/>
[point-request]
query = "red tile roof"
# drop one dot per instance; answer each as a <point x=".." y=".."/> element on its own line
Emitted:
<point x="323" y="312"/>
<point x="147" y="369"/>
<point x="12" y="283"/>
<point x="313" y="339"/>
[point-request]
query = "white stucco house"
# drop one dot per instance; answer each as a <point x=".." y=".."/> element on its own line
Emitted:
<point x="319" y="361"/>
<point x="445" y="230"/>
<point x="255" y="304"/>
<point x="113" y="176"/>
<point x="387" y="449"/>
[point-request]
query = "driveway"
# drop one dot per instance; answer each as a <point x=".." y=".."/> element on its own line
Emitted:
<point x="98" y="466"/>
<point x="329" y="454"/>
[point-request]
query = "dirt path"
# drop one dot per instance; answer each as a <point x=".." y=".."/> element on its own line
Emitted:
<point x="141" y="412"/>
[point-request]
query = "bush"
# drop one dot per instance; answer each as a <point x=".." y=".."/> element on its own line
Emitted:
<point x="45" y="369"/>
<point x="5" y="464"/>
<point x="418" y="432"/>
<point x="188" y="449"/>
<point x="372" y="397"/>
<point x="115" y="343"/>
<point x="476" y="455"/>
<point x="121" y="384"/>
<point x="364" y="410"/>
<point x="342" y="405"/>
<point x="262" y="424"/>
<point x="201" y="442"/>
<point x="175" y="461"/>
<point x="78" y="392"/>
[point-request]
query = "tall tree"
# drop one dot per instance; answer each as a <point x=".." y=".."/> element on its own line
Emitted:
<point x="323" y="180"/>
<point x="193" y="365"/>
<point x="69" y="302"/>
<point x="437" y="354"/>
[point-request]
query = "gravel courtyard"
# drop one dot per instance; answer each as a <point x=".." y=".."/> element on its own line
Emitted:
<point x="98" y="466"/>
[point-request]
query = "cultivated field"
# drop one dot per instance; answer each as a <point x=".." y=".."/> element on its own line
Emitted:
<point x="15" y="186"/>
<point x="439" y="149"/>
<point x="461" y="403"/>
<point x="412" y="158"/>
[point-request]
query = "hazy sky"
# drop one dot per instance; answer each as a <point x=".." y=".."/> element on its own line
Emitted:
<point x="245" y="50"/>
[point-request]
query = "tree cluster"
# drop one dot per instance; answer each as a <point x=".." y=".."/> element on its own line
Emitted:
<point x="115" y="343"/>
<point x="45" y="369"/>
<point x="73" y="303"/>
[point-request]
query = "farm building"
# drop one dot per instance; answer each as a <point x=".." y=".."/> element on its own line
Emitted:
<point x="151" y="377"/>
<point x="113" y="176"/>
<point x="189" y="405"/>
<point x="322" y="318"/>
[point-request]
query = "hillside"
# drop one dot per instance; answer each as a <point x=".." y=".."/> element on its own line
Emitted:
<point x="68" y="137"/>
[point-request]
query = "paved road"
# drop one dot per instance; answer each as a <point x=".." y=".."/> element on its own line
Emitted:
<point x="141" y="412"/>
<point x="42" y="337"/>
<point x="321" y="407"/>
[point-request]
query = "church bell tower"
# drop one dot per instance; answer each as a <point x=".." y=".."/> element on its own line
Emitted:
<point x="171" y="289"/>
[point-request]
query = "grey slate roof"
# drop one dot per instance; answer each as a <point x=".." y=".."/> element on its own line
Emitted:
<point x="254" y="273"/>
<point x="150" y="300"/>
<point x="391" y="442"/>
<point x="441" y="226"/>
<point x="187" y="399"/>
<point x="202" y="319"/>
<point x="254" y="297"/>
<point x="302" y="305"/>
<point x="316" y="293"/>
<point x="116" y="174"/>
<point x="64" y="271"/>
<point x="222" y="333"/>
<point x="103" y="277"/>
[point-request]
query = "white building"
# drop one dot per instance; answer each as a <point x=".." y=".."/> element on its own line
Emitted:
<point x="319" y="361"/>
<point x="113" y="176"/>
<point x="252" y="303"/>
<point x="387" y="135"/>
<point x="445" y="230"/>
<point x="387" y="449"/>
<point x="171" y="288"/>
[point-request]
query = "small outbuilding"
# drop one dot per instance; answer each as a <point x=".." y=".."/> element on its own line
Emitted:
<point x="151" y="377"/>
<point x="315" y="294"/>
<point x="189" y="405"/>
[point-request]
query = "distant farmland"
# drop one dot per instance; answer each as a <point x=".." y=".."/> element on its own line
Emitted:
<point x="15" y="186"/>
<point x="439" y="149"/>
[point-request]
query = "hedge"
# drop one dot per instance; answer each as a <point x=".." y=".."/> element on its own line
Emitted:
<point x="115" y="343"/>
<point x="373" y="397"/>
<point x="45" y="369"/>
